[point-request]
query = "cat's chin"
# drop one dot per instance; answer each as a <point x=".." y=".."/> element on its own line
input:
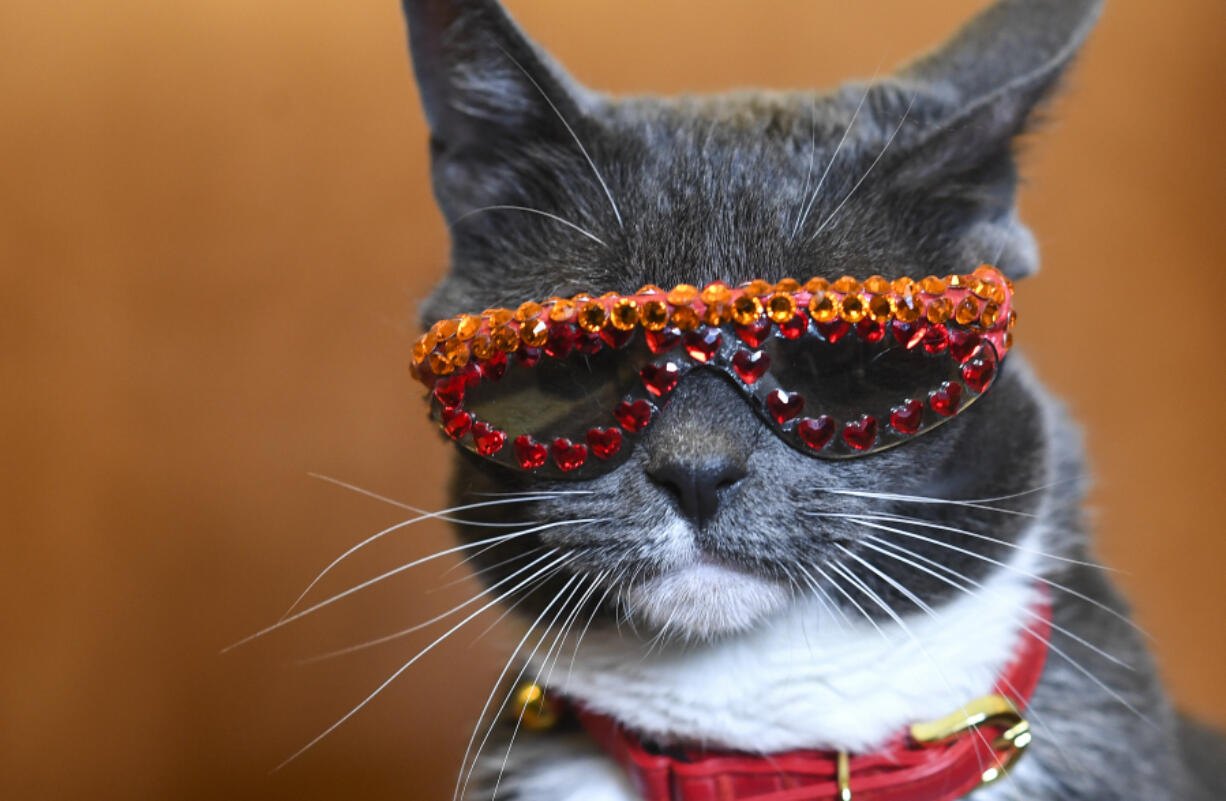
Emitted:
<point x="705" y="600"/>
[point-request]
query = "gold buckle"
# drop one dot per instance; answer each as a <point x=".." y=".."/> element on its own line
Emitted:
<point x="989" y="710"/>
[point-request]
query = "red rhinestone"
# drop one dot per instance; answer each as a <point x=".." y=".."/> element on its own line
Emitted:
<point x="908" y="334"/>
<point x="615" y="337"/>
<point x="488" y="439"/>
<point x="562" y="338"/>
<point x="964" y="344"/>
<point x="815" y="433"/>
<point x="470" y="374"/>
<point x="494" y="367"/>
<point x="834" y="330"/>
<point x="750" y="365"/>
<point x="450" y="391"/>
<point x="862" y="433"/>
<point x="527" y="356"/>
<point x="783" y="406"/>
<point x="978" y="373"/>
<point x="660" y="378"/>
<point x="568" y="455"/>
<point x="634" y="416"/>
<point x="664" y="339"/>
<point x="589" y="343"/>
<point x="906" y="418"/>
<point x="935" y="339"/>
<point x="456" y="423"/>
<point x="796" y="326"/>
<point x="755" y="334"/>
<point x="703" y="343"/>
<point x="529" y="453"/>
<point x="870" y="331"/>
<point x="604" y="442"/>
<point x="944" y="401"/>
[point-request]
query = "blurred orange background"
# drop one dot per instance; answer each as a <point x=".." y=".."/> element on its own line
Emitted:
<point x="215" y="224"/>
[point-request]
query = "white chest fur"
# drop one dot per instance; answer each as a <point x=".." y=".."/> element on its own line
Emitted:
<point x="808" y="679"/>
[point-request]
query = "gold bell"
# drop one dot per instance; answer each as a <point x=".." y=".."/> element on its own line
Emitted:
<point x="535" y="710"/>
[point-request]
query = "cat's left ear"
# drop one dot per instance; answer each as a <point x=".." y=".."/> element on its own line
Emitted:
<point x="993" y="75"/>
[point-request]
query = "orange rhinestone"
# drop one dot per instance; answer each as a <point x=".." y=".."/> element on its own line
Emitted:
<point x="505" y="338"/>
<point x="967" y="311"/>
<point x="716" y="292"/>
<point x="781" y="307"/>
<point x="456" y="353"/>
<point x="821" y="306"/>
<point x="1012" y="319"/>
<point x="610" y="296"/>
<point x="846" y="285"/>
<point x="685" y="318"/>
<point x="932" y="285"/>
<point x="788" y="285"/>
<point x="853" y="308"/>
<point x="1008" y="339"/>
<point x="482" y="346"/>
<point x="439" y="364"/>
<point x="903" y="286"/>
<point x="534" y="333"/>
<point x="991" y="313"/>
<point x="562" y="310"/>
<point x="420" y="350"/>
<point x="468" y="326"/>
<point x="625" y="314"/>
<point x="444" y="329"/>
<point x="879" y="308"/>
<point x="654" y="315"/>
<point x="683" y="295"/>
<point x="581" y="298"/>
<point x="528" y="311"/>
<point x="757" y="288"/>
<point x="592" y="317"/>
<point x="498" y="317"/>
<point x="649" y="289"/>
<point x="876" y="284"/>
<point x="717" y="313"/>
<point x="815" y="285"/>
<point x="414" y="371"/>
<point x="955" y="281"/>
<point x="746" y="309"/>
<point x="939" y="310"/>
<point x="906" y="307"/>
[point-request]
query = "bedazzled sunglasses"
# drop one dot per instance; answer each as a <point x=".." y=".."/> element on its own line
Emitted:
<point x="838" y="369"/>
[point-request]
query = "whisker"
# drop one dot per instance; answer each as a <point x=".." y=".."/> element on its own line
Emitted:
<point x="418" y="627"/>
<point x="477" y="573"/>
<point x="418" y="510"/>
<point x="892" y="496"/>
<point x="817" y="190"/>
<point x="394" y="571"/>
<point x="550" y="215"/>
<point x="396" y="675"/>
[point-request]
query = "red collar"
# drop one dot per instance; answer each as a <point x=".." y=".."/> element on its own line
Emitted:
<point x="939" y="761"/>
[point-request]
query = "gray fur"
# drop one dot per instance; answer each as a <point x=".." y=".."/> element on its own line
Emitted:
<point x="696" y="189"/>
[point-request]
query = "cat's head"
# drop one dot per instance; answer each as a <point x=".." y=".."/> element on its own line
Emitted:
<point x="714" y="522"/>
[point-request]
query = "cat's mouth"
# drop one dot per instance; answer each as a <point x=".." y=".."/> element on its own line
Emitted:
<point x="705" y="598"/>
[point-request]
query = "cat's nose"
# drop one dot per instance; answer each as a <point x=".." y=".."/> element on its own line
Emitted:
<point x="697" y="485"/>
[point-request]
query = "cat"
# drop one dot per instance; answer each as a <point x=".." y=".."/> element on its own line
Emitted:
<point x="721" y="588"/>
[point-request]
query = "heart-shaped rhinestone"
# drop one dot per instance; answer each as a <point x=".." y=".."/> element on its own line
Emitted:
<point x="935" y="339"/>
<point x="964" y="344"/>
<point x="703" y="344"/>
<point x="634" y="416"/>
<point x="783" y="406"/>
<point x="660" y="379"/>
<point x="750" y="365"/>
<point x="562" y="338"/>
<point x="450" y="392"/>
<point x="604" y="442"/>
<point x="488" y="439"/>
<point x="908" y="334"/>
<point x="495" y="366"/>
<point x="861" y="434"/>
<point x="568" y="455"/>
<point x="756" y="333"/>
<point x="615" y="337"/>
<point x="944" y="401"/>
<point x="529" y="453"/>
<point x="793" y="328"/>
<point x="663" y="340"/>
<point x="906" y="418"/>
<point x="815" y="433"/>
<point x="870" y="330"/>
<point x="456" y="422"/>
<point x="833" y="331"/>
<point x="589" y="343"/>
<point x="978" y="374"/>
<point x="527" y="356"/>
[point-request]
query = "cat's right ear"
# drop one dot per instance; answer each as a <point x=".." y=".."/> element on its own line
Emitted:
<point x="487" y="91"/>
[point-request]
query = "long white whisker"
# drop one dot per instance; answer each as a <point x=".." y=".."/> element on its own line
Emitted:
<point x="401" y="569"/>
<point x="459" y="607"/>
<point x="573" y="136"/>
<point x="817" y="190"/>
<point x="397" y="674"/>
<point x="418" y="510"/>
<point x="476" y="573"/>
<point x="884" y="148"/>
<point x="892" y="496"/>
<point x="550" y="215"/>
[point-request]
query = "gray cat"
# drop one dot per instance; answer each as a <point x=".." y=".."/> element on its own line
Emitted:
<point x="718" y="587"/>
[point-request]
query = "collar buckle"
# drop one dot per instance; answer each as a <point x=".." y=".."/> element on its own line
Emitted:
<point x="990" y="710"/>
